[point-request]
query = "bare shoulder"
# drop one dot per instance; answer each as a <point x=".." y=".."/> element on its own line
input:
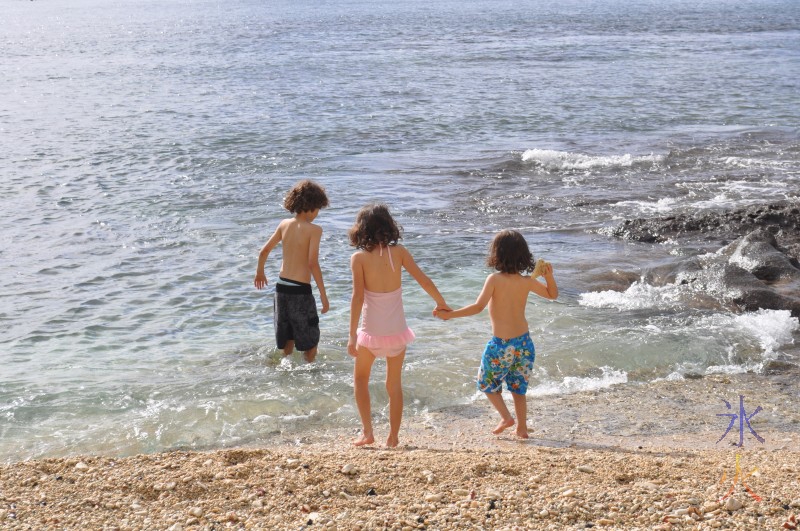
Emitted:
<point x="315" y="229"/>
<point x="357" y="257"/>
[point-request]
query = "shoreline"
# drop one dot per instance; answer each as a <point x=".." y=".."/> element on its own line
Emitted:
<point x="610" y="471"/>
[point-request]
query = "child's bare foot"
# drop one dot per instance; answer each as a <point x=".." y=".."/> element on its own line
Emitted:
<point x="392" y="441"/>
<point x="522" y="432"/>
<point x="364" y="440"/>
<point x="505" y="423"/>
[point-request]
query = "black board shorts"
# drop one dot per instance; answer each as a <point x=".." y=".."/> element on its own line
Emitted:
<point x="295" y="316"/>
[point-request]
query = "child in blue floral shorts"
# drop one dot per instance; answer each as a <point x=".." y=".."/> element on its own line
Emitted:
<point x="509" y="355"/>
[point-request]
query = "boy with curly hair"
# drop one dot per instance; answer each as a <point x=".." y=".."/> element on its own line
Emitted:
<point x="296" y="320"/>
<point x="509" y="355"/>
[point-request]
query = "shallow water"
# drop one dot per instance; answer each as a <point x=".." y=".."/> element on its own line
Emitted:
<point x="147" y="148"/>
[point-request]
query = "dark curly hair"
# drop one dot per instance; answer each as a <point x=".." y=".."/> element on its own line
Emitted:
<point x="305" y="196"/>
<point x="509" y="253"/>
<point x="374" y="227"/>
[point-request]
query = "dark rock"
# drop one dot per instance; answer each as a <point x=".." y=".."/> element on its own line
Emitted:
<point x="758" y="269"/>
<point x="779" y="367"/>
<point x="781" y="219"/>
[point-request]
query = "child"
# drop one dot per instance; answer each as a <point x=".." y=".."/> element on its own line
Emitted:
<point x="509" y="355"/>
<point x="377" y="293"/>
<point x="296" y="320"/>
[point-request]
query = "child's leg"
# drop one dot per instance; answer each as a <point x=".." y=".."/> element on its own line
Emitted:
<point x="394" y="371"/>
<point x="521" y="409"/>
<point x="288" y="348"/>
<point x="310" y="355"/>
<point x="499" y="404"/>
<point x="361" y="373"/>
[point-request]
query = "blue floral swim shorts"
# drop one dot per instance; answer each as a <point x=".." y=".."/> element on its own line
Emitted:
<point x="509" y="361"/>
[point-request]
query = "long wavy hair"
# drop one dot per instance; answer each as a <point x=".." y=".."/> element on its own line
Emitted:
<point x="374" y="227"/>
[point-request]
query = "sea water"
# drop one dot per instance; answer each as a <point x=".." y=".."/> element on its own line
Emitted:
<point x="145" y="148"/>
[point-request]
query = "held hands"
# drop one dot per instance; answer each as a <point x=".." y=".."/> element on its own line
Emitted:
<point x="444" y="315"/>
<point x="261" y="280"/>
<point x="442" y="311"/>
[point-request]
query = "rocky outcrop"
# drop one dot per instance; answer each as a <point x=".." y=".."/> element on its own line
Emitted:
<point x="758" y="267"/>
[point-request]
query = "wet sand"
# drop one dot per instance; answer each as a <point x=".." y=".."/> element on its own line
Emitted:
<point x="593" y="460"/>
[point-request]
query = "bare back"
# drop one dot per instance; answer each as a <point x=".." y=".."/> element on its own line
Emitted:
<point x="377" y="268"/>
<point x="507" y="304"/>
<point x="297" y="236"/>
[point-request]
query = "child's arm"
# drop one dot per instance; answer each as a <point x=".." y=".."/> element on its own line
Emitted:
<point x="316" y="271"/>
<point x="261" y="279"/>
<point x="423" y="280"/>
<point x="356" y="302"/>
<point x="477" y="307"/>
<point x="551" y="290"/>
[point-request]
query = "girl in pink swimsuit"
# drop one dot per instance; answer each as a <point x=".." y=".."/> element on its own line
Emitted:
<point x="378" y="303"/>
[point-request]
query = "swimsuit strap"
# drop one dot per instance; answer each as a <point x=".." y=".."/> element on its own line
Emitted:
<point x="391" y="263"/>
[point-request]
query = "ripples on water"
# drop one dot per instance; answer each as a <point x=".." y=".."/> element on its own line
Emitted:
<point x="147" y="146"/>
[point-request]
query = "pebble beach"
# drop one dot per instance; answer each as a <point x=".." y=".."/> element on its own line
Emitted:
<point x="448" y="473"/>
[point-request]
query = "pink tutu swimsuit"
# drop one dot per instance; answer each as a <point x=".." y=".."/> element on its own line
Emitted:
<point x="384" y="329"/>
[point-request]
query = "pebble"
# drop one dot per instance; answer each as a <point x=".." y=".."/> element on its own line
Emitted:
<point x="585" y="468"/>
<point x="710" y="506"/>
<point x="265" y="493"/>
<point x="732" y="504"/>
<point x="81" y="467"/>
<point x="349" y="469"/>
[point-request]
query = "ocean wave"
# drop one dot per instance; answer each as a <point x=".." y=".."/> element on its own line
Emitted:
<point x="575" y="384"/>
<point x="638" y="296"/>
<point x="553" y="160"/>
<point x="771" y="328"/>
<point x="662" y="206"/>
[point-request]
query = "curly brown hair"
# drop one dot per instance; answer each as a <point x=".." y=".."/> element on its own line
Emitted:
<point x="509" y="253"/>
<point x="374" y="227"/>
<point x="305" y="196"/>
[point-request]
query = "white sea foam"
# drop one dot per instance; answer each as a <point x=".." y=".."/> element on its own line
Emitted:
<point x="664" y="205"/>
<point x="637" y="297"/>
<point x="565" y="160"/>
<point x="772" y="328"/>
<point x="575" y="384"/>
